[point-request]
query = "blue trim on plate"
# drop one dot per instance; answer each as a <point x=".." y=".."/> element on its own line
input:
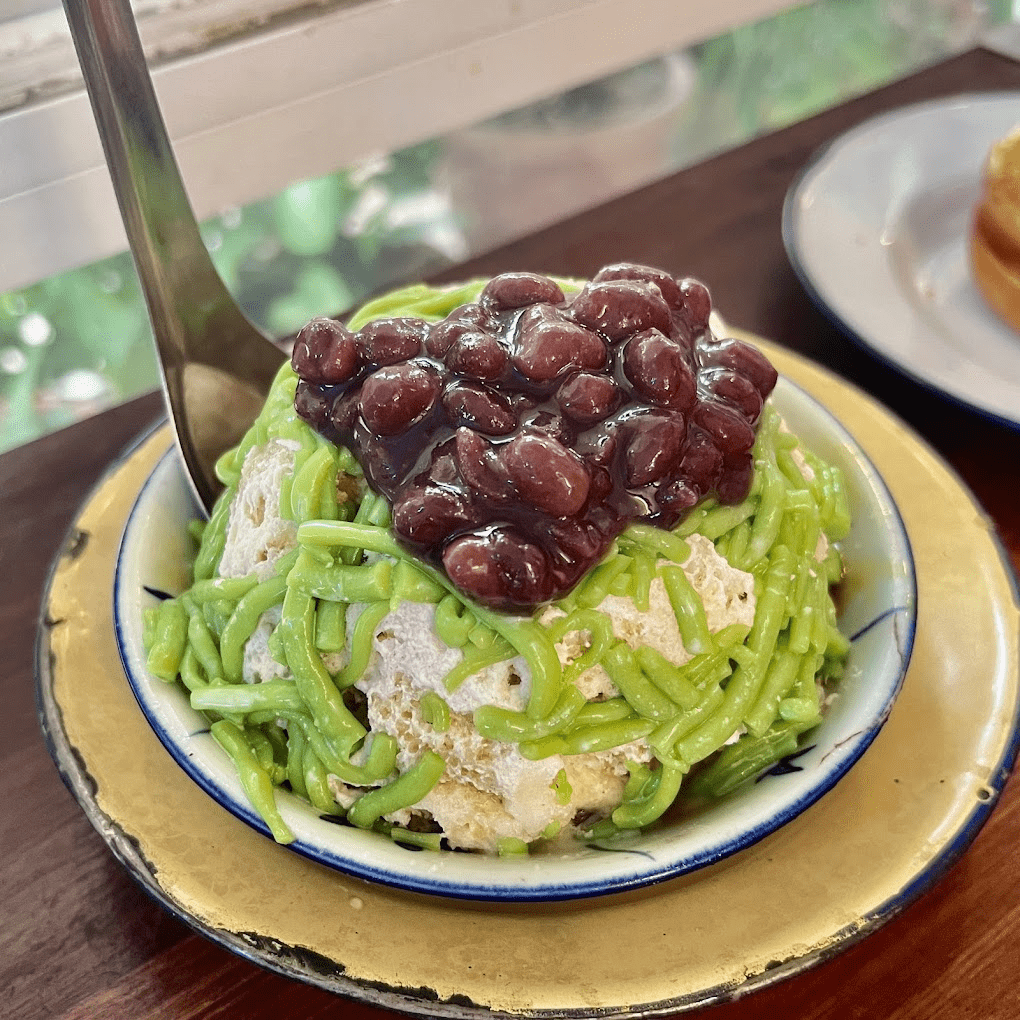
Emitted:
<point x="788" y="231"/>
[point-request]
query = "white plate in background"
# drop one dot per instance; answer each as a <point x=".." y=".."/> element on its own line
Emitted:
<point x="877" y="227"/>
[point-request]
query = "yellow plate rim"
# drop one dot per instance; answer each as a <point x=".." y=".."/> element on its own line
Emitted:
<point x="370" y="949"/>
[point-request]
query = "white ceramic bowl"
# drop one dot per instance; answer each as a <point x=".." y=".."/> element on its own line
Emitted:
<point x="878" y="613"/>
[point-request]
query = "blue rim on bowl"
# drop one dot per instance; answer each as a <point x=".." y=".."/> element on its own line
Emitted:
<point x="878" y="614"/>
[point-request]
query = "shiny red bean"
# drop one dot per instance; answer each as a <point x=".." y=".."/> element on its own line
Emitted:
<point x="658" y="369"/>
<point x="587" y="397"/>
<point x="618" y="308"/>
<point x="697" y="304"/>
<point x="479" y="466"/>
<point x="653" y="443"/>
<point x="477" y="355"/>
<point x="728" y="429"/>
<point x="480" y="408"/>
<point x="680" y="496"/>
<point x="313" y="406"/>
<point x="391" y="341"/>
<point x="516" y="290"/>
<point x="325" y="352"/>
<point x="398" y="396"/>
<point x="547" y="344"/>
<point x="427" y="514"/>
<point x="735" y="482"/>
<point x="441" y="335"/>
<point x="667" y="284"/>
<point x="546" y="473"/>
<point x="702" y="464"/>
<point x="746" y="360"/>
<point x="738" y="392"/>
<point x="499" y="568"/>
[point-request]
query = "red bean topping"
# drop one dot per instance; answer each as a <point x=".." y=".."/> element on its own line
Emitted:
<point x="324" y="352"/>
<point x="738" y="392"/>
<point x="659" y="371"/>
<point x="547" y="344"/>
<point x="398" y="396"/>
<point x="654" y="439"/>
<point x="748" y="361"/>
<point x="480" y="408"/>
<point x="441" y="335"/>
<point x="729" y="431"/>
<point x="478" y="355"/>
<point x="601" y="483"/>
<point x="428" y="514"/>
<point x="517" y="290"/>
<point x="518" y="437"/>
<point x="472" y="313"/>
<point x="668" y="286"/>
<point x="697" y="304"/>
<point x="736" y="480"/>
<point x="500" y="568"/>
<point x="346" y="411"/>
<point x="313" y="406"/>
<point x="582" y="540"/>
<point x="391" y="341"/>
<point x="679" y="496"/>
<point x="546" y="473"/>
<point x="479" y="467"/>
<point x="587" y="397"/>
<point x="548" y="424"/>
<point x="618" y="308"/>
<point x="702" y="461"/>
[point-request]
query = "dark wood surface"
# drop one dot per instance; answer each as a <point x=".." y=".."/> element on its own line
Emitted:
<point x="79" y="939"/>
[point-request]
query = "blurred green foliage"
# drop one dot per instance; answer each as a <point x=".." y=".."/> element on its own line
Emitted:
<point x="783" y="69"/>
<point x="80" y="341"/>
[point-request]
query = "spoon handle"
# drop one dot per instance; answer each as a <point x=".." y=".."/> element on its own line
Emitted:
<point x="216" y="366"/>
<point x="194" y="317"/>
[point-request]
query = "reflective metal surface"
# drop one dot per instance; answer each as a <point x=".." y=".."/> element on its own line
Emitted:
<point x="216" y="366"/>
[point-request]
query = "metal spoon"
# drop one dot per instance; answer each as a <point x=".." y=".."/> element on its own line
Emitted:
<point x="216" y="366"/>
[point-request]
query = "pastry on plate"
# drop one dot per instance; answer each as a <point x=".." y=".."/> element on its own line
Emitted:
<point x="995" y="238"/>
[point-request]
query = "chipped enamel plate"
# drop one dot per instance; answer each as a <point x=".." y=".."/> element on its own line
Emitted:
<point x="880" y="837"/>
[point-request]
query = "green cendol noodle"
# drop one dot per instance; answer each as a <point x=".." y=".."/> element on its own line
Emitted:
<point x="295" y="732"/>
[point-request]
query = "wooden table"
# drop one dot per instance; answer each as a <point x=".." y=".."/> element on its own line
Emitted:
<point x="78" y="938"/>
